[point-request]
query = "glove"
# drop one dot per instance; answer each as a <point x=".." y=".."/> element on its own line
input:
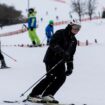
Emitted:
<point x="69" y="68"/>
<point x="31" y="28"/>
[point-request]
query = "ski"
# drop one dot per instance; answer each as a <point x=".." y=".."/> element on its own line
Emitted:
<point x="40" y="102"/>
<point x="25" y="102"/>
<point x="53" y="102"/>
<point x="6" y="101"/>
<point x="25" y="45"/>
<point x="5" y="67"/>
<point x="41" y="45"/>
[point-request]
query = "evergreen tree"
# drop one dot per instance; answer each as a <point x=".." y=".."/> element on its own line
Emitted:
<point x="9" y="15"/>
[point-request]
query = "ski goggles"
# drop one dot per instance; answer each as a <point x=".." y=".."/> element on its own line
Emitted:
<point x="76" y="27"/>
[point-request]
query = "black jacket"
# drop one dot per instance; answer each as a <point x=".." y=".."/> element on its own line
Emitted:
<point x="62" y="41"/>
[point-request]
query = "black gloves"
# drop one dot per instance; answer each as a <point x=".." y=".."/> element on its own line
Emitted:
<point x="69" y="68"/>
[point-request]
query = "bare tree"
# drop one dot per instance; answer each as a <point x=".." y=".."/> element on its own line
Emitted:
<point x="91" y="7"/>
<point x="78" y="6"/>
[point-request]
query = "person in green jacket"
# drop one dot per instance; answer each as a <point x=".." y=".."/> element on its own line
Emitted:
<point x="32" y="27"/>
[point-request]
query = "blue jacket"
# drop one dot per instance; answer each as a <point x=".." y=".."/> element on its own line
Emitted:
<point x="49" y="31"/>
<point x="31" y="20"/>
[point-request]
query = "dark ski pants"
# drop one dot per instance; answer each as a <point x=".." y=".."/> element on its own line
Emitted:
<point x="52" y="82"/>
<point x="1" y="56"/>
<point x="3" y="64"/>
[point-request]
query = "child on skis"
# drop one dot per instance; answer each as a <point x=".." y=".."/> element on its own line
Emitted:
<point x="49" y="30"/>
<point x="32" y="27"/>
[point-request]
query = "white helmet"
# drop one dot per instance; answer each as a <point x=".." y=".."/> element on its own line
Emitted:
<point x="75" y="22"/>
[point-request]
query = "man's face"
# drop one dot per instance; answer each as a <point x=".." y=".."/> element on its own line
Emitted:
<point x="75" y="29"/>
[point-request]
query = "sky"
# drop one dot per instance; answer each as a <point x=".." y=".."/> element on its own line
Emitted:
<point x="23" y="4"/>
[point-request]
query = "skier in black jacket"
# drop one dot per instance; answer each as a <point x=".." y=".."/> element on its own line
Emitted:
<point x="62" y="48"/>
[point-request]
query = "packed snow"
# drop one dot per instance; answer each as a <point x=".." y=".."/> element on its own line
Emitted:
<point x="85" y="86"/>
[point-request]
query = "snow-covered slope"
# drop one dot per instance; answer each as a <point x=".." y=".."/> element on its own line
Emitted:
<point x="86" y="85"/>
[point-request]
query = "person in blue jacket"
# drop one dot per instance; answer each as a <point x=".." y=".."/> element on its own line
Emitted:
<point x="49" y="31"/>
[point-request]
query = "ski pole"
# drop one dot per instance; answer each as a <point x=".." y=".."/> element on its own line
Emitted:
<point x="9" y="56"/>
<point x="42" y="77"/>
<point x="25" y="26"/>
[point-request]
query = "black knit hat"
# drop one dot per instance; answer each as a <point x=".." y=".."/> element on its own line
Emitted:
<point x="30" y="10"/>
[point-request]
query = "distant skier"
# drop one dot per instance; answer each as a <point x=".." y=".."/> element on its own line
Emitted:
<point x="49" y="31"/>
<point x="61" y="48"/>
<point x="3" y="64"/>
<point x="32" y="27"/>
